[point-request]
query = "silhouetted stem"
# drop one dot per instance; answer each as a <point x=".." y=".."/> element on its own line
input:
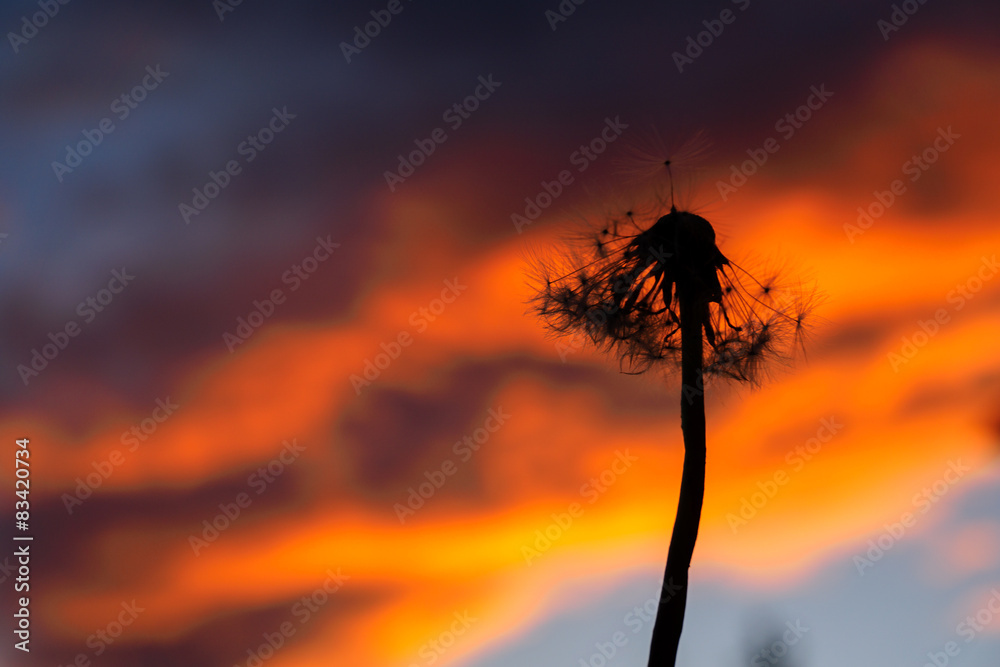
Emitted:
<point x="673" y="594"/>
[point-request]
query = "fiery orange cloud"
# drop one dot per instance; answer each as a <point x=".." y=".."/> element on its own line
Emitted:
<point x="901" y="423"/>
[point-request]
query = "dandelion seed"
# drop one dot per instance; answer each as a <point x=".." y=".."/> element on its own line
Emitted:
<point x="637" y="274"/>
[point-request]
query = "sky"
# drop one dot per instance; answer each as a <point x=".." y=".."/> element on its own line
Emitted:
<point x="264" y="281"/>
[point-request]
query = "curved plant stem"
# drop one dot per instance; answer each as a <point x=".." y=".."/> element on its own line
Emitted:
<point x="673" y="594"/>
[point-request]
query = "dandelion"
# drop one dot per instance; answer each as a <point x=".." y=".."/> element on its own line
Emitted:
<point x="654" y="290"/>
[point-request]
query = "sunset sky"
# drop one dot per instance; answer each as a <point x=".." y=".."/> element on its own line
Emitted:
<point x="264" y="291"/>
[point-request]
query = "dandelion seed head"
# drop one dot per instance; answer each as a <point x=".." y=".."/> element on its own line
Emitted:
<point x="620" y="289"/>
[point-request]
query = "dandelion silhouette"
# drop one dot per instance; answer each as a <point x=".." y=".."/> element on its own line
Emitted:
<point x="654" y="290"/>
